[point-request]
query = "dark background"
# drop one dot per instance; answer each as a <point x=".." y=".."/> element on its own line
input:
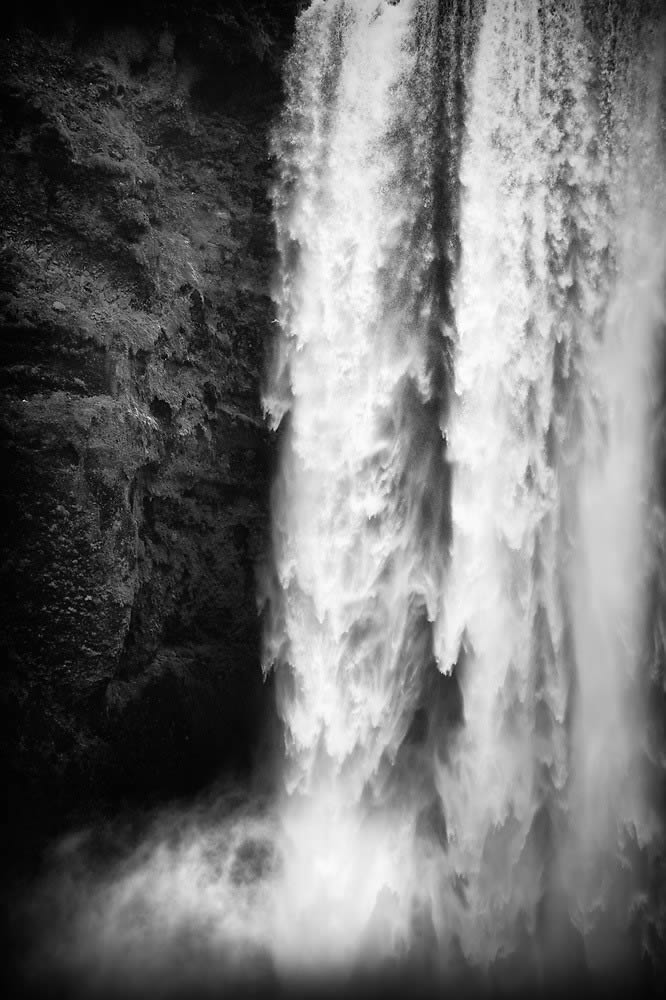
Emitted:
<point x="135" y="265"/>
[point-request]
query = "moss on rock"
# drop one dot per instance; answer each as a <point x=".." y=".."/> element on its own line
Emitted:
<point x="134" y="309"/>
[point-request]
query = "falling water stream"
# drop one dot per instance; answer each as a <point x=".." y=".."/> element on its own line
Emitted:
<point x="466" y="608"/>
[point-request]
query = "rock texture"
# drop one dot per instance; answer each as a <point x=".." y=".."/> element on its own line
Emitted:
<point x="135" y="269"/>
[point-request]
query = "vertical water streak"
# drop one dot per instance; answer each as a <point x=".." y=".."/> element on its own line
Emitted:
<point x="619" y="509"/>
<point x="504" y="488"/>
<point x="358" y="507"/>
<point x="353" y="309"/>
<point x="558" y="314"/>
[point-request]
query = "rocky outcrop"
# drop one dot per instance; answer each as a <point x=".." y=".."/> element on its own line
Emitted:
<point x="135" y="306"/>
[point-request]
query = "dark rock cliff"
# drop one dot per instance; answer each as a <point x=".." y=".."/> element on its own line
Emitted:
<point x="135" y="268"/>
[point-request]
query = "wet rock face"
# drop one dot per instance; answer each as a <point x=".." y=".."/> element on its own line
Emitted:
<point x="135" y="309"/>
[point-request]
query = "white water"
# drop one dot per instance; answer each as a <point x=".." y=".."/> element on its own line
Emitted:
<point x="558" y="320"/>
<point x="466" y="504"/>
<point x="345" y="552"/>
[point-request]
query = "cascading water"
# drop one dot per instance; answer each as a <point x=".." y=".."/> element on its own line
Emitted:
<point x="355" y="569"/>
<point x="355" y="310"/>
<point x="466" y="608"/>
<point x="554" y="314"/>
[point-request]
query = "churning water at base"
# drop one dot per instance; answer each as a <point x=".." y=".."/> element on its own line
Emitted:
<point x="466" y="610"/>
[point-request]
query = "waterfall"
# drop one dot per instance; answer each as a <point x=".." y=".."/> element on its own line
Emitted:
<point x="467" y="472"/>
<point x="354" y="223"/>
<point x="465" y="608"/>
<point x="358" y="558"/>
